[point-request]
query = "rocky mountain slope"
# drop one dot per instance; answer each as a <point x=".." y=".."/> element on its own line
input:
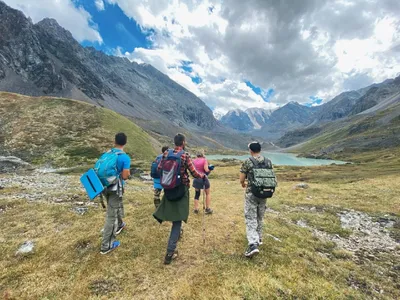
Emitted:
<point x="270" y="124"/>
<point x="64" y="132"/>
<point x="246" y="120"/>
<point x="370" y="131"/>
<point x="294" y="123"/>
<point x="373" y="111"/>
<point x="44" y="59"/>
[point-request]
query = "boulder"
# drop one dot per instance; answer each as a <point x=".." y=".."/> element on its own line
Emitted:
<point x="301" y="186"/>
<point x="12" y="163"/>
<point x="146" y="177"/>
<point x="26" y="247"/>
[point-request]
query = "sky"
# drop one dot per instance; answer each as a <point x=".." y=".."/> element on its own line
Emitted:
<point x="241" y="54"/>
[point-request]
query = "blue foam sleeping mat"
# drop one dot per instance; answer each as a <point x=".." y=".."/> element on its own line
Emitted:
<point x="92" y="184"/>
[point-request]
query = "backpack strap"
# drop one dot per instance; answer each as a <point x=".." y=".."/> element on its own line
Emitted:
<point x="170" y="152"/>
<point x="254" y="161"/>
<point x="159" y="158"/>
<point x="116" y="151"/>
<point x="266" y="163"/>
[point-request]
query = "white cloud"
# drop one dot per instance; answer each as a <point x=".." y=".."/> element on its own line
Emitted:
<point x="365" y="55"/>
<point x="300" y="49"/>
<point x="99" y="4"/>
<point x="77" y="20"/>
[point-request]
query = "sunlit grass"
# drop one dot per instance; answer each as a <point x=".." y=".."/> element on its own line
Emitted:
<point x="66" y="263"/>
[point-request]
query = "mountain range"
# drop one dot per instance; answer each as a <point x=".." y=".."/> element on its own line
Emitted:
<point x="44" y="59"/>
<point x="273" y="125"/>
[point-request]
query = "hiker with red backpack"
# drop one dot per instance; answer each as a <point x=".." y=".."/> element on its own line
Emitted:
<point x="156" y="175"/>
<point x="175" y="181"/>
<point x="113" y="168"/>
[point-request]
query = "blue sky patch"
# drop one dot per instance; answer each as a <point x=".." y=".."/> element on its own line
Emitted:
<point x="116" y="29"/>
<point x="186" y="66"/>
<point x="314" y="101"/>
<point x="265" y="94"/>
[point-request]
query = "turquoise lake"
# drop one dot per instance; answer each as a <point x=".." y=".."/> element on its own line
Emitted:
<point x="283" y="159"/>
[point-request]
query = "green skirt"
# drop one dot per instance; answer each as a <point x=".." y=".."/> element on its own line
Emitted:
<point x="177" y="210"/>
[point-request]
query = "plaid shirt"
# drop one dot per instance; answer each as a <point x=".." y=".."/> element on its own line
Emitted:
<point x="186" y="164"/>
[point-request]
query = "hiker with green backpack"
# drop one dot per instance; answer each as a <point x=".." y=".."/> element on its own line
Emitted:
<point x="174" y="206"/>
<point x="261" y="184"/>
<point x="112" y="168"/>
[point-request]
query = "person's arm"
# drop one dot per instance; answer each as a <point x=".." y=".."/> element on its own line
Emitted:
<point x="126" y="168"/>
<point x="192" y="169"/>
<point x="206" y="166"/>
<point x="244" y="170"/>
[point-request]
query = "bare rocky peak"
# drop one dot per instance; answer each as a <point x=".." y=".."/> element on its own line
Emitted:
<point x="45" y="59"/>
<point x="55" y="31"/>
<point x="12" y="22"/>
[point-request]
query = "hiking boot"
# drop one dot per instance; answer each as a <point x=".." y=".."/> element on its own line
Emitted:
<point x="120" y="228"/>
<point x="196" y="211"/>
<point x="209" y="211"/>
<point x="169" y="257"/>
<point x="114" y="246"/>
<point x="251" y="250"/>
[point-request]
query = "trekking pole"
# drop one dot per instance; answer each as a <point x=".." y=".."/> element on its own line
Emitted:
<point x="204" y="213"/>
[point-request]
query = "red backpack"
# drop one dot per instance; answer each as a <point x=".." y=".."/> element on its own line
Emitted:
<point x="171" y="179"/>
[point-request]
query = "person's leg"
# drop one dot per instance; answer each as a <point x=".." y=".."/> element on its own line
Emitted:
<point x="196" y="199"/>
<point x="250" y="214"/>
<point x="120" y="214"/>
<point x="208" y="197"/>
<point x="157" y="197"/>
<point x="260" y="216"/>
<point x="174" y="236"/>
<point x="207" y="192"/>
<point x="110" y="227"/>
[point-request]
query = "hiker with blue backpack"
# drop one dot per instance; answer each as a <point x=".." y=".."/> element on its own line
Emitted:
<point x="113" y="168"/>
<point x="174" y="206"/>
<point x="155" y="174"/>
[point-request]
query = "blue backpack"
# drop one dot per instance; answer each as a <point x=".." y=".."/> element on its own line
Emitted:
<point x="106" y="167"/>
<point x="155" y="173"/>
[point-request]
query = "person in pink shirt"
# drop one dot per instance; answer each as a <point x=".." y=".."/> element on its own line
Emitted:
<point x="201" y="165"/>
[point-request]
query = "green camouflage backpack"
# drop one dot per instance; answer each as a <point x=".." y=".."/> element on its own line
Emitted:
<point x="264" y="182"/>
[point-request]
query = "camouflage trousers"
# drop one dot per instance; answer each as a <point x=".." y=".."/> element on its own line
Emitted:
<point x="157" y="197"/>
<point x="114" y="215"/>
<point x="254" y="210"/>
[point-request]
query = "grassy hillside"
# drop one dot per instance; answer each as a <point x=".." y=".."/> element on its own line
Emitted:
<point x="64" y="132"/>
<point x="359" y="134"/>
<point x="294" y="262"/>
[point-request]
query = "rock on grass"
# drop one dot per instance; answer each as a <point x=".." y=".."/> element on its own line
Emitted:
<point x="26" y="247"/>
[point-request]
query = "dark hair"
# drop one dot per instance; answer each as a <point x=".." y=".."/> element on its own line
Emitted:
<point x="255" y="147"/>
<point x="179" y="139"/>
<point x="163" y="149"/>
<point x="120" y="139"/>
